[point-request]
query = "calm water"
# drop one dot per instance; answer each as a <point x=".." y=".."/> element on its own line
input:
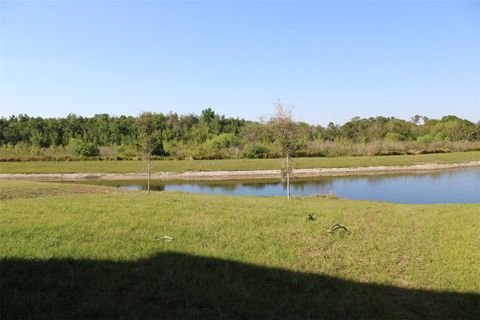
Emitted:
<point x="452" y="186"/>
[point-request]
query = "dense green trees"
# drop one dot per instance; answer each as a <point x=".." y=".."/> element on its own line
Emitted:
<point x="210" y="135"/>
<point x="103" y="129"/>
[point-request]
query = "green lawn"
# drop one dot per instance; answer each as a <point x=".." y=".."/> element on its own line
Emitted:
<point x="242" y="164"/>
<point x="23" y="189"/>
<point x="93" y="254"/>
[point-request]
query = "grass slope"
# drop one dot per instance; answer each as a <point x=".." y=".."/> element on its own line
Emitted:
<point x="96" y="256"/>
<point x="25" y="189"/>
<point x="242" y="164"/>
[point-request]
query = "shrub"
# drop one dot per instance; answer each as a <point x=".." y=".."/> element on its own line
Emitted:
<point x="225" y="140"/>
<point x="86" y="149"/>
<point x="257" y="151"/>
<point x="426" y="139"/>
<point x="393" y="136"/>
<point x="127" y="151"/>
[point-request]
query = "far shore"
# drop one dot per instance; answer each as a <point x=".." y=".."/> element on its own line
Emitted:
<point x="240" y="174"/>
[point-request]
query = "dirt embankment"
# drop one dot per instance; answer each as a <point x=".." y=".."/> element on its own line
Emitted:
<point x="251" y="174"/>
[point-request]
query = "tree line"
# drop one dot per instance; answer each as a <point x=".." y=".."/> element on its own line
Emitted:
<point x="210" y="135"/>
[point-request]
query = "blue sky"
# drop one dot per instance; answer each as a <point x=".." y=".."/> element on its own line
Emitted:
<point x="332" y="60"/>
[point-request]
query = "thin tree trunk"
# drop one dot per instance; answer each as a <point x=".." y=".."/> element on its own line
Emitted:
<point x="288" y="178"/>
<point x="148" y="174"/>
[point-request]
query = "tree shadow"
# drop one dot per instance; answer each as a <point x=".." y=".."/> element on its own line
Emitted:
<point x="180" y="286"/>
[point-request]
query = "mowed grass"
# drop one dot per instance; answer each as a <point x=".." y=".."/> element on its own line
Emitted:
<point x="240" y="164"/>
<point x="100" y="255"/>
<point x="27" y="189"/>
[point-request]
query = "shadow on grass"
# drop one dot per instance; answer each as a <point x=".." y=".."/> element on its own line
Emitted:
<point x="179" y="286"/>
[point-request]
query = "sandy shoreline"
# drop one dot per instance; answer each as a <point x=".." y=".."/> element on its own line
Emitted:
<point x="227" y="175"/>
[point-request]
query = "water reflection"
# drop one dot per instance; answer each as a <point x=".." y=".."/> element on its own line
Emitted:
<point x="452" y="186"/>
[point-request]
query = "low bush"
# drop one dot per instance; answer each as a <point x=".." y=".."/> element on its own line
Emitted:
<point x="256" y="151"/>
<point x="226" y="148"/>
<point x="86" y="149"/>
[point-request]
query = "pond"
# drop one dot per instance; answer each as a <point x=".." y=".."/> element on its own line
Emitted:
<point x="450" y="186"/>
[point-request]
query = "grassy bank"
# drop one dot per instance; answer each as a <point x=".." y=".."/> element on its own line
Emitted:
<point x="241" y="164"/>
<point x="97" y="254"/>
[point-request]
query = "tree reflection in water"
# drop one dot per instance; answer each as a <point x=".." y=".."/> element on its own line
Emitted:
<point x="451" y="186"/>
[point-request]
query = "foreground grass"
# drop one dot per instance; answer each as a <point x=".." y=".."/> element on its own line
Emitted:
<point x="98" y="256"/>
<point x="241" y="164"/>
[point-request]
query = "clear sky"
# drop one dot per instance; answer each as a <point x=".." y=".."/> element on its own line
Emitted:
<point x="332" y="60"/>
